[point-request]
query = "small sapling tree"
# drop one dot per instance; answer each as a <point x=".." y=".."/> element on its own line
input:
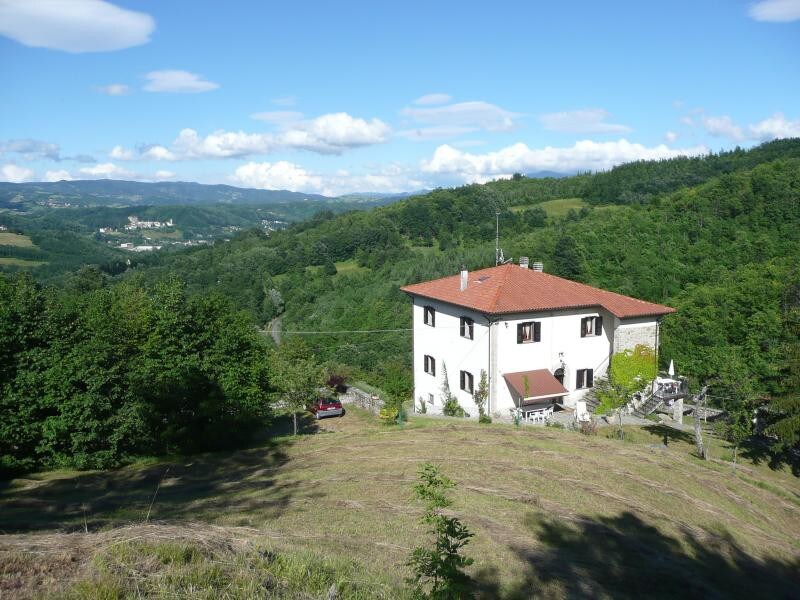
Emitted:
<point x="295" y="377"/>
<point x="737" y="428"/>
<point x="480" y="397"/>
<point x="450" y="405"/>
<point x="439" y="570"/>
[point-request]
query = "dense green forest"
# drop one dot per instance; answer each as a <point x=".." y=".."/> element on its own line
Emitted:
<point x="716" y="237"/>
<point x="94" y="374"/>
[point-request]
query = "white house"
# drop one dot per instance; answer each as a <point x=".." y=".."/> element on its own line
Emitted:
<point x="542" y="340"/>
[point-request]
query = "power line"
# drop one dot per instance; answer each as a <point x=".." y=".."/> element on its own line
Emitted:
<point x="282" y="331"/>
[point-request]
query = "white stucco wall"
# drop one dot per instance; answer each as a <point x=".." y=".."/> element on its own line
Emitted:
<point x="561" y="341"/>
<point x="445" y="344"/>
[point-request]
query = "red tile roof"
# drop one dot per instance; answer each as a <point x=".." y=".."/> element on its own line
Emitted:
<point x="510" y="288"/>
<point x="541" y="383"/>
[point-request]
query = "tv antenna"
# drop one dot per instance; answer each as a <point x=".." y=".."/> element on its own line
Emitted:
<point x="499" y="259"/>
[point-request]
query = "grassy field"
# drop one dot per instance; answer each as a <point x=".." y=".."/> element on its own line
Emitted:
<point x="555" y="514"/>
<point x="555" y="208"/>
<point x="20" y="262"/>
<point x="15" y="239"/>
<point x="349" y="266"/>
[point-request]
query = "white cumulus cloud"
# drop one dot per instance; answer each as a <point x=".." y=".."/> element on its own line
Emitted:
<point x="670" y="136"/>
<point x="121" y="153"/>
<point x="775" y="127"/>
<point x="586" y="155"/>
<point x="114" y="89"/>
<point x="777" y="11"/>
<point x="177" y="81"/>
<point x="293" y="177"/>
<point x="15" y="173"/>
<point x="723" y="127"/>
<point x="281" y="175"/>
<point x="461" y="117"/>
<point x="332" y="133"/>
<point x="58" y="175"/>
<point x="158" y="153"/>
<point x="107" y="171"/>
<point x="772" y="128"/>
<point x="162" y="175"/>
<point x="74" y="25"/>
<point x="432" y="99"/>
<point x="587" y="120"/>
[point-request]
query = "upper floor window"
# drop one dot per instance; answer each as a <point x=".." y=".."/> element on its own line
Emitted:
<point x="584" y="378"/>
<point x="430" y="316"/>
<point x="530" y="331"/>
<point x="559" y="375"/>
<point x="467" y="381"/>
<point x="430" y="365"/>
<point x="591" y="326"/>
<point x="467" y="328"/>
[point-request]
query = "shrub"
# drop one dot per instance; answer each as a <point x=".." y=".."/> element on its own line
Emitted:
<point x="452" y="408"/>
<point x="438" y="571"/>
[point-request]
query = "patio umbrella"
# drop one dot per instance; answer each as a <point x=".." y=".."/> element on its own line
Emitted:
<point x="671" y="368"/>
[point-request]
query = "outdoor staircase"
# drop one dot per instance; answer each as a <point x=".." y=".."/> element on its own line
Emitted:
<point x="649" y="404"/>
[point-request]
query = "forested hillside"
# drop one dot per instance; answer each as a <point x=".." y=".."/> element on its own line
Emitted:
<point x="723" y="252"/>
<point x="718" y="238"/>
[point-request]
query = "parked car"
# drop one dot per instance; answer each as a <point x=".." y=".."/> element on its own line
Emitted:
<point x="327" y="407"/>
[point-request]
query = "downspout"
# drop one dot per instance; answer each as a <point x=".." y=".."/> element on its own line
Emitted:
<point x="489" y="371"/>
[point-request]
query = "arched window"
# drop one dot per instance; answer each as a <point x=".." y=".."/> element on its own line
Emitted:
<point x="559" y="374"/>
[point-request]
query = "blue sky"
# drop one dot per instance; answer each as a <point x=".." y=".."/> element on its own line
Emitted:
<point x="350" y="96"/>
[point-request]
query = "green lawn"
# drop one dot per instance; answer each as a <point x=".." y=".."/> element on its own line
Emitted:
<point x="553" y="512"/>
<point x="20" y="262"/>
<point x="349" y="266"/>
<point x="15" y="239"/>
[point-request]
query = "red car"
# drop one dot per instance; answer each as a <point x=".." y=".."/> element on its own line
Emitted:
<point x="327" y="407"/>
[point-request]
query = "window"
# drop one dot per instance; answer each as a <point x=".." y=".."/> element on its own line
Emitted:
<point x="430" y="398"/>
<point x="584" y="378"/>
<point x="430" y="316"/>
<point x="430" y="365"/>
<point x="591" y="326"/>
<point x="466" y="381"/>
<point x="467" y="328"/>
<point x="530" y="331"/>
<point x="559" y="375"/>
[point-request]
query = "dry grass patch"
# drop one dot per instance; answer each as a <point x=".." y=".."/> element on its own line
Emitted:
<point x="552" y="510"/>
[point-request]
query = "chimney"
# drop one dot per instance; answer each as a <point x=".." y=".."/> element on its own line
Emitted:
<point x="464" y="277"/>
<point x="523" y="262"/>
<point x="537" y="266"/>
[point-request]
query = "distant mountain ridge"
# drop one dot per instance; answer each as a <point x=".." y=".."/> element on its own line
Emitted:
<point x="134" y="193"/>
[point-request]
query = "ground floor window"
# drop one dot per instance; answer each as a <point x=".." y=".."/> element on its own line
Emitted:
<point x="466" y="381"/>
<point x="584" y="378"/>
<point x="430" y="365"/>
<point x="430" y="398"/>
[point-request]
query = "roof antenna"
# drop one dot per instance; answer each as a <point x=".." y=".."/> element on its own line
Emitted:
<point x="499" y="259"/>
<point x="497" y="238"/>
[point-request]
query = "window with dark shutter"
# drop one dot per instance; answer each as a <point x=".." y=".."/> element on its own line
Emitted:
<point x="530" y="331"/>
<point x="466" y="381"/>
<point x="591" y="326"/>
<point x="584" y="378"/>
<point x="430" y="316"/>
<point x="467" y="328"/>
<point x="430" y="365"/>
